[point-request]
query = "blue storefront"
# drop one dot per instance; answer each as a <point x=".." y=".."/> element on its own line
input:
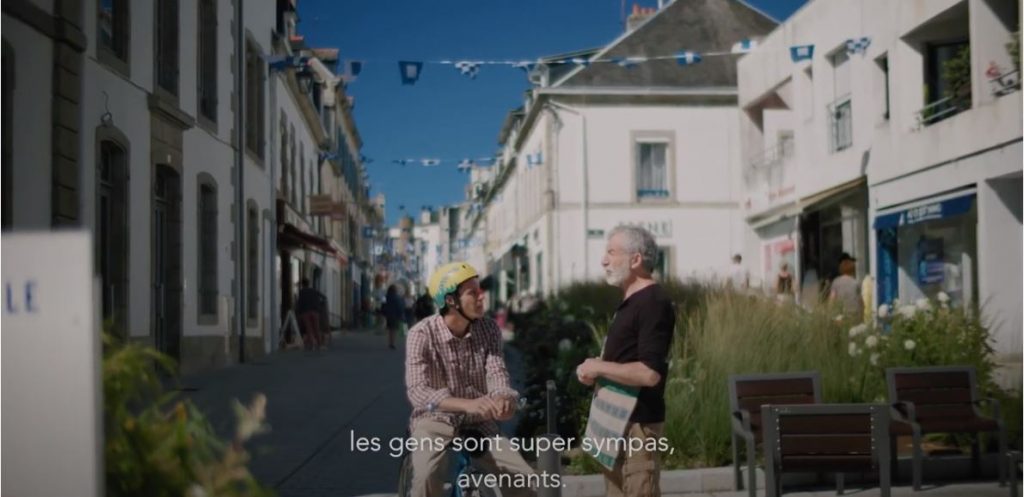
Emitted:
<point x="928" y="247"/>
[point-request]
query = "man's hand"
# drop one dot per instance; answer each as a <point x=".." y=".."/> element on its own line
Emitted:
<point x="506" y="408"/>
<point x="484" y="407"/>
<point x="588" y="371"/>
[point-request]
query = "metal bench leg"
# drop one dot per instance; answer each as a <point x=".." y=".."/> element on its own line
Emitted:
<point x="1013" y="475"/>
<point x="752" y="467"/>
<point x="736" y="474"/>
<point x="894" y="457"/>
<point x="976" y="456"/>
<point x="840" y="483"/>
<point x="918" y="459"/>
<point x="1004" y="461"/>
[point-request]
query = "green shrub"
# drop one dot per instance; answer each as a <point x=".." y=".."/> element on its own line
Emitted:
<point x="158" y="446"/>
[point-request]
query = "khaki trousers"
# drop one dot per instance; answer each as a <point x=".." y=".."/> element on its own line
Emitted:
<point x="637" y="474"/>
<point x="428" y="468"/>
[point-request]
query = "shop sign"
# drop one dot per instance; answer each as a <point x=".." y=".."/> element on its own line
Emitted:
<point x="931" y="267"/>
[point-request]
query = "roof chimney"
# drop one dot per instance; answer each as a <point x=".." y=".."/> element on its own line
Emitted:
<point x="639" y="15"/>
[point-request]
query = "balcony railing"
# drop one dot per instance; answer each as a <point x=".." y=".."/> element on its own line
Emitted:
<point x="772" y="156"/>
<point x="1003" y="83"/>
<point x="941" y="109"/>
<point x="840" y="124"/>
<point x="652" y="193"/>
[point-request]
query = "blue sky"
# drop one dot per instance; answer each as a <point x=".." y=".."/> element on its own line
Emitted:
<point x="446" y="115"/>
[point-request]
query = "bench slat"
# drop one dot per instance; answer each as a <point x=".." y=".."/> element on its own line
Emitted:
<point x="760" y="388"/>
<point x="923" y="380"/>
<point x="753" y="404"/>
<point x="819" y="424"/>
<point x="936" y="396"/>
<point x="859" y="444"/>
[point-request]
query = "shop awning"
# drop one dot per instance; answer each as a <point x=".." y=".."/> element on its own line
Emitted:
<point x="289" y="235"/>
<point x="928" y="210"/>
<point x="816" y="201"/>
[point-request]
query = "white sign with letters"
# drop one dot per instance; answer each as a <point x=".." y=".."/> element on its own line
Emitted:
<point x="53" y="435"/>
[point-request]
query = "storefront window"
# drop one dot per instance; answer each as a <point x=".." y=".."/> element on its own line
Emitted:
<point x="939" y="256"/>
<point x="927" y="250"/>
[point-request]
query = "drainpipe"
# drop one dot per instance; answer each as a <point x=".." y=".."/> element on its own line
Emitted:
<point x="274" y="156"/>
<point x="240" y="179"/>
<point x="586" y="187"/>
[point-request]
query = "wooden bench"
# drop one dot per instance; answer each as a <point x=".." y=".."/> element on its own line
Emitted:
<point x="747" y="393"/>
<point x="942" y="399"/>
<point x="834" y="438"/>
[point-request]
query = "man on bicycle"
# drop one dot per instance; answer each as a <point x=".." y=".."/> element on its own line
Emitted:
<point x="456" y="381"/>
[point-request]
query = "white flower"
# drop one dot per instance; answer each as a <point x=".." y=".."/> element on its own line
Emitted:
<point x="858" y="330"/>
<point x="565" y="345"/>
<point x="942" y="297"/>
<point x="895" y="303"/>
<point x="909" y="345"/>
<point x="196" y="491"/>
<point x="839" y="318"/>
<point x="853" y="349"/>
<point x="858" y="351"/>
<point x="871" y="341"/>
<point x="883" y="311"/>
<point x="907" y="311"/>
<point x="874" y="359"/>
<point x="923" y="304"/>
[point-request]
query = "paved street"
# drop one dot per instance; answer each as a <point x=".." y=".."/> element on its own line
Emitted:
<point x="314" y="400"/>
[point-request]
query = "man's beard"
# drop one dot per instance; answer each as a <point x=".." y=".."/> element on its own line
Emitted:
<point x="616" y="276"/>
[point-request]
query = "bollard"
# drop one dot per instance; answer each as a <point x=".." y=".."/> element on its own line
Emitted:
<point x="550" y="461"/>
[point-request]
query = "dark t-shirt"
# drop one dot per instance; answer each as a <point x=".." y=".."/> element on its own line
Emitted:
<point x="642" y="331"/>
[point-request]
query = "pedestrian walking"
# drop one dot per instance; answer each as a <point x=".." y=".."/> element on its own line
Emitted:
<point x="846" y="290"/>
<point x="784" y="282"/>
<point x="739" y="278"/>
<point x="393" y="310"/>
<point x="307" y="307"/>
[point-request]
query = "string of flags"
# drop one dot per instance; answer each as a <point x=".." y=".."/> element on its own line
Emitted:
<point x="463" y="165"/>
<point x="410" y="71"/>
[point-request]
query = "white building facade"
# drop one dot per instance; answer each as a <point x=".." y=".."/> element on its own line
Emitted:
<point x="906" y="155"/>
<point x="604" y="145"/>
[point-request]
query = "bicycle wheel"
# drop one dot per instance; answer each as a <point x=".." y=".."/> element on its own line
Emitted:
<point x="405" y="476"/>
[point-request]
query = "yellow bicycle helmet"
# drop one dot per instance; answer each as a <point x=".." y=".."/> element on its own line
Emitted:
<point x="447" y="278"/>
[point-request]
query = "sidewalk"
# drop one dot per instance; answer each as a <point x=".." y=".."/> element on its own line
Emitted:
<point x="314" y="400"/>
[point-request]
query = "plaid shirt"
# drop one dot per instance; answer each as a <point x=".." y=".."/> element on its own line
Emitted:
<point x="438" y="365"/>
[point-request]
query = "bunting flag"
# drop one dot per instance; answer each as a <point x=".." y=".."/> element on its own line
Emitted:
<point x="858" y="45"/>
<point x="580" y="61"/>
<point x="468" y="68"/>
<point x="465" y="165"/>
<point x="744" y="46"/>
<point x="404" y="162"/>
<point x="628" y="62"/>
<point x="410" y="71"/>
<point x="688" y="58"/>
<point x="801" y="52"/>
<point x="430" y="162"/>
<point x="526" y="66"/>
<point x="282" y="62"/>
<point x="365" y="160"/>
<point x="350" y="70"/>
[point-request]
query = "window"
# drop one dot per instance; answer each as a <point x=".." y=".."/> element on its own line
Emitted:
<point x="947" y="81"/>
<point x="252" y="256"/>
<point x="208" y="59"/>
<point x="167" y="45"/>
<point x="254" y="99"/>
<point x="840" y="110"/>
<point x="652" y="170"/>
<point x="662" y="268"/>
<point x="207" y="249"/>
<point x="883" y="68"/>
<point x="302" y="179"/>
<point x="111" y="242"/>
<point x="292" y="177"/>
<point x="540" y="273"/>
<point x="112" y="26"/>
<point x="284" y="155"/>
<point x="841" y="125"/>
